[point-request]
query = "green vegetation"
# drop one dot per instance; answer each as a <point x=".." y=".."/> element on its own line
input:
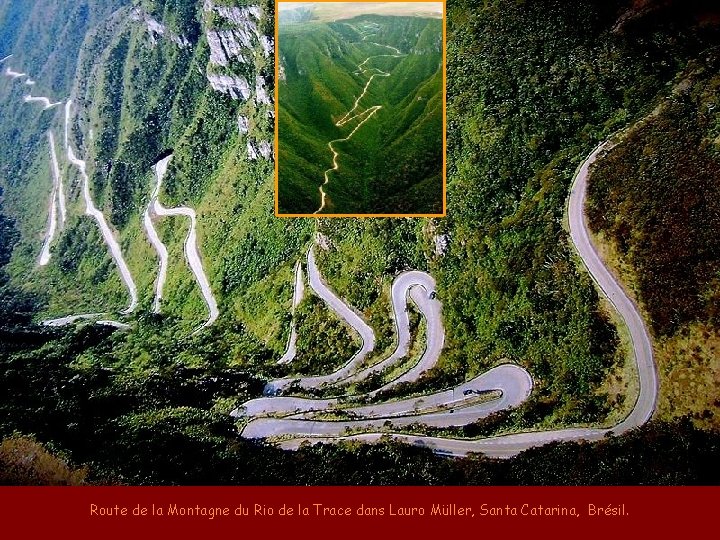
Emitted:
<point x="393" y="163"/>
<point x="532" y="87"/>
<point x="655" y="199"/>
<point x="672" y="238"/>
<point x="324" y="342"/>
<point x="25" y="462"/>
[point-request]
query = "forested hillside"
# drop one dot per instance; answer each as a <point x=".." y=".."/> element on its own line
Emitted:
<point x="371" y="87"/>
<point x="656" y="203"/>
<point x="532" y="88"/>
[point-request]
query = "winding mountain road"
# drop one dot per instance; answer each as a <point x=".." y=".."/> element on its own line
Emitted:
<point x="614" y="292"/>
<point x="346" y="313"/>
<point x="296" y="419"/>
<point x="57" y="199"/>
<point x="156" y="242"/>
<point x="421" y="287"/>
<point x="91" y="210"/>
<point x="42" y="99"/>
<point x="52" y="218"/>
<point x="14" y="74"/>
<point x="192" y="253"/>
<point x="57" y="177"/>
<point x="456" y="406"/>
<point x="364" y="116"/>
<point x="56" y="204"/>
<point x="298" y="293"/>
<point x="298" y="424"/>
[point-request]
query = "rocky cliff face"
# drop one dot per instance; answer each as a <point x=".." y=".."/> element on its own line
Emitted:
<point x="241" y="62"/>
<point x="157" y="30"/>
<point x="147" y="79"/>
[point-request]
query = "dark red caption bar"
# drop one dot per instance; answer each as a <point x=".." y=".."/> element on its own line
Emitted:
<point x="340" y="512"/>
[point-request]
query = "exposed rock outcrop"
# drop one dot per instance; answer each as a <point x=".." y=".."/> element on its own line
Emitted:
<point x="262" y="149"/>
<point x="236" y="86"/>
<point x="243" y="124"/>
<point x="261" y="95"/>
<point x="157" y="30"/>
<point x="236" y="38"/>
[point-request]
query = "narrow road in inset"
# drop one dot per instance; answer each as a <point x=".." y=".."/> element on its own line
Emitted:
<point x="364" y="116"/>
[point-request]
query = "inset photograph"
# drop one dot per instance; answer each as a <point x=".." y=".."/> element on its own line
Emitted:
<point x="360" y="109"/>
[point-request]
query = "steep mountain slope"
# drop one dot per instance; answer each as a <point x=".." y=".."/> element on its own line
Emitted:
<point x="668" y="244"/>
<point x="361" y="113"/>
<point x="532" y="88"/>
<point x="191" y="79"/>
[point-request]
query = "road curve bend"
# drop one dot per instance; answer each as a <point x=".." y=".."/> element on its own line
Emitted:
<point x="298" y="293"/>
<point x="300" y="427"/>
<point x="192" y="253"/>
<point x="454" y="407"/>
<point x="346" y="313"/>
<point x="92" y="210"/>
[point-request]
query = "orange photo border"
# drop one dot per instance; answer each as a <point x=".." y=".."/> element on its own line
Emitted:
<point x="444" y="119"/>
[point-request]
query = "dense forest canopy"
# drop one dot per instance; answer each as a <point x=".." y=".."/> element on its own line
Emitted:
<point x="532" y="87"/>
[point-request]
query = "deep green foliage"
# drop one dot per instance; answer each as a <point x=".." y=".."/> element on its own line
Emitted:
<point x="393" y="163"/>
<point x="532" y="87"/>
<point x="672" y="237"/>
<point x="159" y="431"/>
<point x="324" y="343"/>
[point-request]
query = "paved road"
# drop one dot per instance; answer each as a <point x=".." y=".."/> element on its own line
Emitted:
<point x="156" y="243"/>
<point x="457" y="406"/>
<point x="304" y="428"/>
<point x="422" y="286"/>
<point x="57" y="177"/>
<point x="192" y="254"/>
<point x="91" y="210"/>
<point x="52" y="217"/>
<point x="513" y="381"/>
<point x="29" y="98"/>
<point x="422" y="293"/>
<point x="14" y="74"/>
<point x="56" y="205"/>
<point x="613" y="290"/>
<point x="346" y="313"/>
<point x="298" y="293"/>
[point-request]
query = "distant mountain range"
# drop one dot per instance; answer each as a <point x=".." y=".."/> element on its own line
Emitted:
<point x="361" y="100"/>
